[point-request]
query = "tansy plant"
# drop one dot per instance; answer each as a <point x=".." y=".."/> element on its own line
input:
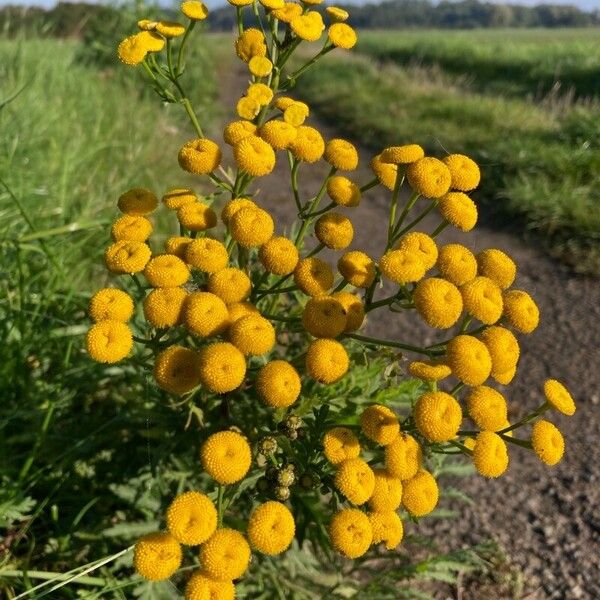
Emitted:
<point x="249" y="328"/>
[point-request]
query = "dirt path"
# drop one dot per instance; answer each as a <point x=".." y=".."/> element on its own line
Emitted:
<point x="544" y="517"/>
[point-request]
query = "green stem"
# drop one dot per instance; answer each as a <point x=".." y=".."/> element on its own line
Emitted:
<point x="192" y="115"/>
<point x="369" y="185"/>
<point x="536" y="413"/>
<point x="220" y="505"/>
<point x="440" y="228"/>
<point x="294" y="165"/>
<point x="393" y="208"/>
<point x="388" y="343"/>
<point x="398" y="234"/>
<point x="315" y="250"/>
<point x="516" y="441"/>
<point x="240" y="19"/>
<point x="184" y="41"/>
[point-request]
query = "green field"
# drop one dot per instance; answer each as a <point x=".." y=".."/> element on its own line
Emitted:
<point x="540" y="154"/>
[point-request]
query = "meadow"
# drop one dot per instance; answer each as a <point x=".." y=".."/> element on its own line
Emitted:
<point x="523" y="103"/>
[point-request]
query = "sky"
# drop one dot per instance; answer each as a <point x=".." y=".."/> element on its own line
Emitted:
<point x="584" y="4"/>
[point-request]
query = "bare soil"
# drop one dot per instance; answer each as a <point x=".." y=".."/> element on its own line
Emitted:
<point x="547" y="519"/>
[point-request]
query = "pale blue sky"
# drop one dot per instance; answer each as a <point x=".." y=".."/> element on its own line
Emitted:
<point x="584" y="4"/>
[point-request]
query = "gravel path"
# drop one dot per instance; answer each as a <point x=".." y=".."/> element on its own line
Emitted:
<point x="547" y="519"/>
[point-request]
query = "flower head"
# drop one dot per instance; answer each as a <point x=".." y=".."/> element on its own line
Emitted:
<point x="490" y="455"/>
<point x="111" y="303"/>
<point x="403" y="457"/>
<point x="503" y="348"/>
<point x="278" y="384"/>
<point x="334" y="230"/>
<point x="236" y="131"/>
<point x="340" y="444"/>
<point x="464" y="171"/>
<point x="191" y="518"/>
<point x="324" y="317"/>
<point x="355" y="310"/>
<point x="233" y="206"/>
<point x="402" y="266"/>
<point x="469" y="359"/>
<point x="439" y="302"/>
<point x="487" y="407"/>
<point x="237" y="310"/>
<point x="131" y="227"/>
<point x="326" y="360"/>
<point x="385" y="172"/>
<point x="222" y="367"/>
<point x="157" y="556"/>
<point x="226" y="457"/>
<point x="166" y="270"/>
<point x="313" y="276"/>
<point x="498" y="266"/>
<point x="177" y="197"/>
<point x="251" y="227"/>
<point x="422" y="245"/>
<point x="226" y="555"/>
<point x="279" y="256"/>
<point x="231" y="285"/>
<point x="132" y="51"/>
<point x="387" y="527"/>
<point x="126" y="256"/>
<point x="380" y="424"/>
<point x="247" y="107"/>
<point x="559" y="397"/>
<point x="429" y="177"/>
<point x="343" y="191"/>
<point x="482" y="298"/>
<point x="387" y="493"/>
<point x="341" y="154"/>
<point x="437" y="416"/>
<point x="207" y="254"/>
<point x="202" y="587"/>
<point x="459" y="210"/>
<point x="200" y="156"/>
<point x="420" y="494"/>
<point x="337" y="14"/>
<point x="197" y="216"/>
<point x="429" y="370"/>
<point x="521" y="311"/>
<point x="402" y="155"/>
<point x="294" y="113"/>
<point x="287" y="12"/>
<point x="254" y="156"/>
<point x="252" y="335"/>
<point x="194" y="10"/>
<point x="357" y="269"/>
<point x="250" y="43"/>
<point x="308" y="26"/>
<point x="176" y="370"/>
<point x="456" y="263"/>
<point x="163" y="306"/>
<point x="308" y="146"/>
<point x="271" y="528"/>
<point x="278" y="134"/>
<point x="548" y="442"/>
<point x="109" y="341"/>
<point x="350" y="532"/>
<point x="137" y="202"/>
<point x="260" y="66"/>
<point x="342" y="35"/>
<point x="177" y="245"/>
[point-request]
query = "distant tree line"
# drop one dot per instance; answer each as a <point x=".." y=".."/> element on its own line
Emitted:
<point x="81" y="19"/>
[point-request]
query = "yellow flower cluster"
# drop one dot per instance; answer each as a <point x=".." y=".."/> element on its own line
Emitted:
<point x="239" y="315"/>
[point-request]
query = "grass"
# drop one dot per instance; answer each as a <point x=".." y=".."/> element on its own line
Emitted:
<point x="540" y="161"/>
<point x="74" y="436"/>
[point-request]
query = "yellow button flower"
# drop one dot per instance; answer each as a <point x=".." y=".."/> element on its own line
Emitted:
<point x="248" y="108"/>
<point x="385" y="172"/>
<point x="420" y="494"/>
<point x="132" y="51"/>
<point x="126" y="256"/>
<point x="157" y="556"/>
<point x="137" y="202"/>
<point x="236" y="131"/>
<point x="490" y="455"/>
<point x="254" y="156"/>
<point x="287" y="12"/>
<point x="163" y="307"/>
<point x="308" y="26"/>
<point x="308" y="146"/>
<point x="357" y="268"/>
<point x="337" y="14"/>
<point x="429" y="370"/>
<point x="194" y="10"/>
<point x="111" y="303"/>
<point x="279" y="256"/>
<point x="237" y="310"/>
<point x="457" y="264"/>
<point x="200" y="156"/>
<point x="355" y="480"/>
<point x="202" y="587"/>
<point x="402" y="155"/>
<point x="350" y="532"/>
<point x="278" y="384"/>
<point x="313" y="276"/>
<point x="387" y="493"/>
<point x="437" y="416"/>
<point x="355" y="310"/>
<point x="324" y="317"/>
<point x="176" y="370"/>
<point x="131" y="227"/>
<point x="278" y="134"/>
<point x="439" y="302"/>
<point x="459" y="210"/>
<point x="251" y="227"/>
<point x="197" y="216"/>
<point x="170" y="29"/>
<point x="177" y="245"/>
<point x="334" y="230"/>
<point x="429" y="177"/>
<point x="343" y="191"/>
<point x="166" y="270"/>
<point x="147" y="25"/>
<point x="151" y="41"/>
<point x="207" y="254"/>
<point x="205" y="314"/>
<point x="422" y="245"/>
<point x="250" y="43"/>
<point x="482" y="298"/>
<point x="403" y="457"/>
<point x="521" y="311"/>
<point x="260" y="66"/>
<point x="252" y="335"/>
<point x="487" y="407"/>
<point x="503" y="348"/>
<point x="559" y="397"/>
<point x="191" y="518"/>
<point x="387" y="527"/>
<point x="341" y="154"/>
<point x="222" y="367"/>
<point x="326" y="360"/>
<point x="548" y="442"/>
<point x="402" y="266"/>
<point x="177" y="197"/>
<point x="262" y="93"/>
<point x="226" y="555"/>
<point x="469" y="359"/>
<point x="226" y="457"/>
<point x="342" y="35"/>
<point x="232" y="206"/>
<point x="380" y="424"/>
<point x="498" y="266"/>
<point x="231" y="285"/>
<point x="109" y="341"/>
<point x="464" y="171"/>
<point x="340" y="444"/>
<point x="295" y="114"/>
<point x="271" y="528"/>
